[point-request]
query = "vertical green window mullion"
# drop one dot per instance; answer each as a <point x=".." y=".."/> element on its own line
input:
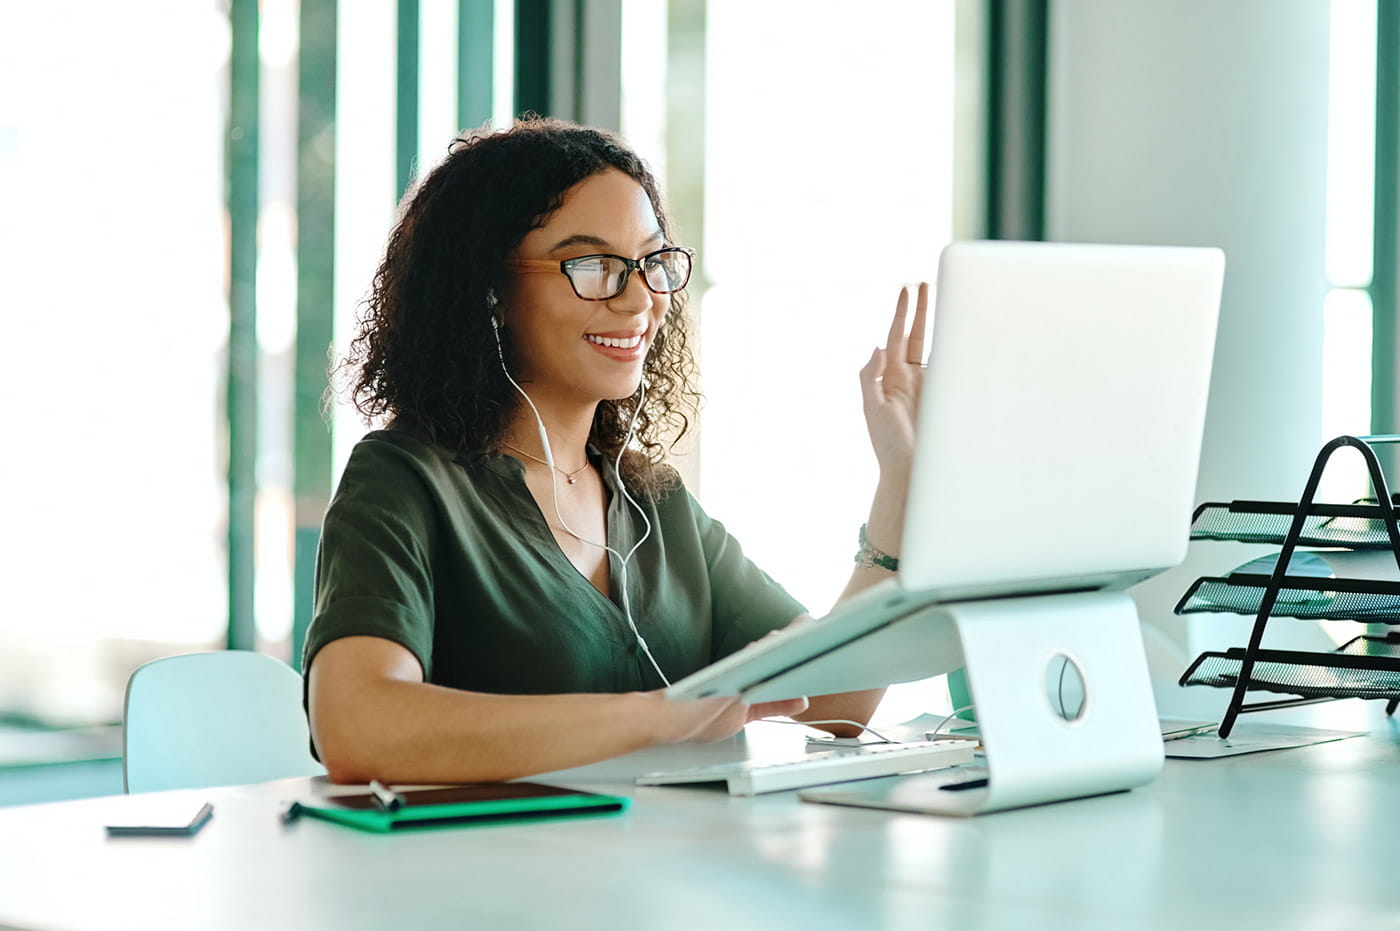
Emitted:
<point x="242" y="383"/>
<point x="475" y="61"/>
<point x="1386" y="242"/>
<point x="533" y="57"/>
<point x="686" y="117"/>
<point x="316" y="93"/>
<point x="406" y="95"/>
<point x="1385" y="301"/>
<point x="579" y="78"/>
<point x="1017" y="39"/>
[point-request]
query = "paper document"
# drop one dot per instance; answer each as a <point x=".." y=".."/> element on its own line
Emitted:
<point x="1251" y="737"/>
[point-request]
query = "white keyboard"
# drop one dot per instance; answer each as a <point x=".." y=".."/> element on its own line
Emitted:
<point x="822" y="767"/>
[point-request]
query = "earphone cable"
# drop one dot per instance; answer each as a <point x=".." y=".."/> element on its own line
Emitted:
<point x="624" y="560"/>
<point x="554" y="494"/>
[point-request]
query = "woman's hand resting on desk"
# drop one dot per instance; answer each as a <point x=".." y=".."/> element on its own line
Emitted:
<point x="709" y="719"/>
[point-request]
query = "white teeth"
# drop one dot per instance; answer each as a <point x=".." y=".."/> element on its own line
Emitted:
<point x="631" y="342"/>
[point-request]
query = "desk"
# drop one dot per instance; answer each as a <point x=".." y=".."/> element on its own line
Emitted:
<point x="1302" y="838"/>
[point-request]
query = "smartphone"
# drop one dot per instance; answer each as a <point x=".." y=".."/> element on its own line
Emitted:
<point x="148" y="817"/>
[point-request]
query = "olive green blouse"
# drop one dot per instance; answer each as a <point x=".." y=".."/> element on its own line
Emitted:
<point x="455" y="562"/>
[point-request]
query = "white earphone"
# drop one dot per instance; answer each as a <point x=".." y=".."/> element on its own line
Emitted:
<point x="617" y="471"/>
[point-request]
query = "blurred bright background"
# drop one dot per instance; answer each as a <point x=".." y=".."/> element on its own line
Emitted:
<point x="853" y="147"/>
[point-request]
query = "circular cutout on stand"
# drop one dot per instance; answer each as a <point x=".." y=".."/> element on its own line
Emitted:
<point x="1064" y="687"/>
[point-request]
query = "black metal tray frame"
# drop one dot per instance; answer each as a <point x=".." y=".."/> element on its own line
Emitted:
<point x="1299" y="532"/>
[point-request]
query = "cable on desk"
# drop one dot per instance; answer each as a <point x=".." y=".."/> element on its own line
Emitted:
<point x="863" y="727"/>
<point x="952" y="714"/>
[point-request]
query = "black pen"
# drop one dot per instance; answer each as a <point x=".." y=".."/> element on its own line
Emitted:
<point x="1196" y="730"/>
<point x="384" y="797"/>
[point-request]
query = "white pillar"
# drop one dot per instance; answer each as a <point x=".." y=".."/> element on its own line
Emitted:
<point x="1202" y="122"/>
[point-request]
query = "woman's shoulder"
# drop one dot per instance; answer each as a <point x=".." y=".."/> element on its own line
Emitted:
<point x="672" y="497"/>
<point x="388" y="460"/>
<point x="394" y="446"/>
<point x="659" y="482"/>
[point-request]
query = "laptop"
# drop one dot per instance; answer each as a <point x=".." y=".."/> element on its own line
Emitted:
<point x="1059" y="437"/>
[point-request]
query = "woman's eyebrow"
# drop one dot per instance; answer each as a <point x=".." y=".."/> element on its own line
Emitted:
<point x="579" y="239"/>
<point x="587" y="239"/>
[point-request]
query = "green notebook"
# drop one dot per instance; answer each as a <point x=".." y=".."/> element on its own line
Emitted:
<point x="475" y="803"/>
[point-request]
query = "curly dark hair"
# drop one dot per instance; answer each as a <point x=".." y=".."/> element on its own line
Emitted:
<point x="424" y="355"/>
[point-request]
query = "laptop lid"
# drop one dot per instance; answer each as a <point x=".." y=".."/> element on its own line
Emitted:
<point x="1061" y="418"/>
<point x="1060" y="428"/>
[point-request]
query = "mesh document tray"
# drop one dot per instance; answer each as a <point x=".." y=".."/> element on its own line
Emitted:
<point x="1309" y="675"/>
<point x="1372" y="600"/>
<point x="1356" y="526"/>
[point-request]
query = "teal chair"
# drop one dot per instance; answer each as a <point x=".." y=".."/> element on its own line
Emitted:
<point x="212" y="719"/>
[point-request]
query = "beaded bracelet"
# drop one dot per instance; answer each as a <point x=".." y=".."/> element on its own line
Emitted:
<point x="868" y="556"/>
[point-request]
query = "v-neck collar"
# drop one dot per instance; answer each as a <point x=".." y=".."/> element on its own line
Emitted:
<point x="513" y="471"/>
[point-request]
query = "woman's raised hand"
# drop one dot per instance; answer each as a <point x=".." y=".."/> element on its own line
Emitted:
<point x="890" y="383"/>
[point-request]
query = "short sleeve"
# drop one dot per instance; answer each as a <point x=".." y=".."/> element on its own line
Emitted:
<point x="373" y="565"/>
<point x="746" y="602"/>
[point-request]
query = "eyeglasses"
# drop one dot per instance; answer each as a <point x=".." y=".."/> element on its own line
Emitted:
<point x="604" y="277"/>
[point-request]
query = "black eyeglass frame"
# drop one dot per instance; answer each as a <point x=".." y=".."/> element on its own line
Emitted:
<point x="566" y="266"/>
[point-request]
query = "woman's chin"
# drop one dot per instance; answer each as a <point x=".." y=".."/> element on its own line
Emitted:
<point x="624" y="394"/>
<point x="620" y="389"/>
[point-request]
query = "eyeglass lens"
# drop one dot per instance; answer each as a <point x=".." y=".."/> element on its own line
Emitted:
<point x="604" y="276"/>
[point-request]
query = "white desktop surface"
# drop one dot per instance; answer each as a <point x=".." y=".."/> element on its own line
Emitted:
<point x="1303" y="838"/>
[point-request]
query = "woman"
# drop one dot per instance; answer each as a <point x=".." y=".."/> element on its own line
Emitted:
<point x="509" y="573"/>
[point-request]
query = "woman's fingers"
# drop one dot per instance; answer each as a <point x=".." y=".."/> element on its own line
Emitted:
<point x="894" y="343"/>
<point x="712" y="718"/>
<point x="903" y="341"/>
<point x="904" y="349"/>
<point x="785" y="709"/>
<point x="891" y="380"/>
<point x="914" y="353"/>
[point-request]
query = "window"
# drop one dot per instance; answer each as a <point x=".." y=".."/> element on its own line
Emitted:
<point x="115" y="260"/>
<point x="112" y="181"/>
<point x="829" y="183"/>
<point x="1347" y="313"/>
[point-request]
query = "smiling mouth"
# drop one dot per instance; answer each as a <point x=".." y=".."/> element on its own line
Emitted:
<point x="629" y="342"/>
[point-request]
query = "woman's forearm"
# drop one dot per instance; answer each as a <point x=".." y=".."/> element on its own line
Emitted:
<point x="884" y="528"/>
<point x="398" y="731"/>
<point x="373" y="717"/>
<point x="843" y="706"/>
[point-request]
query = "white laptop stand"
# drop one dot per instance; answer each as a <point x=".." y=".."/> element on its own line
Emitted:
<point x="1011" y="646"/>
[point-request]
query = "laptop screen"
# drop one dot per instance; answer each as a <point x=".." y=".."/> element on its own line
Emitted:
<point x="1061" y="417"/>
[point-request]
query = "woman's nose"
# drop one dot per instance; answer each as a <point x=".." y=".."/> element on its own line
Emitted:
<point x="635" y="298"/>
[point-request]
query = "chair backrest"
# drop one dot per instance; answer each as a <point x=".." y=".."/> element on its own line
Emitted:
<point x="209" y="719"/>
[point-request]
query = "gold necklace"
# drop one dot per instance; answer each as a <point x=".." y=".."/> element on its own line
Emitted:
<point x="567" y="475"/>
